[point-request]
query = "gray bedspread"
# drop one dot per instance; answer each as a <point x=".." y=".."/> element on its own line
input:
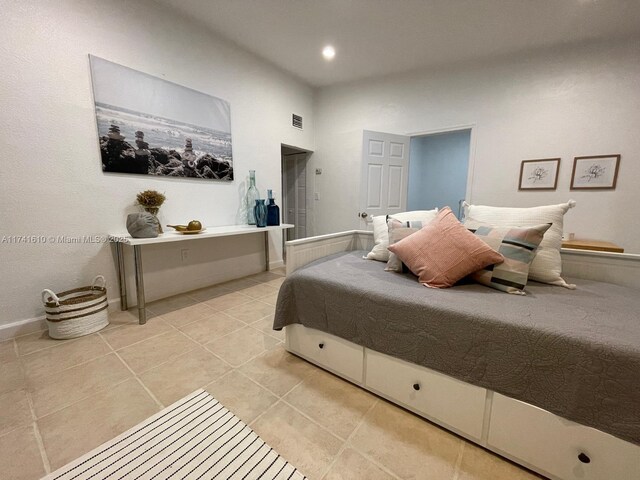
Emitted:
<point x="575" y="353"/>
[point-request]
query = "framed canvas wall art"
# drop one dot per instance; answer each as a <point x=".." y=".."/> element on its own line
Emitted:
<point x="150" y="126"/>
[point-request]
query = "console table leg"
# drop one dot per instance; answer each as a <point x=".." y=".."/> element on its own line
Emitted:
<point x="122" y="281"/>
<point x="137" y="255"/>
<point x="266" y="250"/>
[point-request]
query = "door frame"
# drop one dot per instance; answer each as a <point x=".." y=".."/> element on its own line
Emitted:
<point x="472" y="151"/>
<point x="296" y="164"/>
<point x="309" y="207"/>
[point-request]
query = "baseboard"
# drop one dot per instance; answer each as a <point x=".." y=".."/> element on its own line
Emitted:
<point x="31" y="325"/>
<point x="22" y="327"/>
<point x="276" y="264"/>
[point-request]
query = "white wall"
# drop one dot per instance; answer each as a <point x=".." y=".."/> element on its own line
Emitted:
<point x="562" y="103"/>
<point x="51" y="180"/>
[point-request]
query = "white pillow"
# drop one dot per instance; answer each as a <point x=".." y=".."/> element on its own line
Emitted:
<point x="547" y="264"/>
<point x="381" y="231"/>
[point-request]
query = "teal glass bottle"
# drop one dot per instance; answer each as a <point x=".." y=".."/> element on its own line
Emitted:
<point x="260" y="212"/>
<point x="273" y="210"/>
<point x="252" y="196"/>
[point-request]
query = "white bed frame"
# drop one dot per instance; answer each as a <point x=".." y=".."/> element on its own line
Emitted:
<point x="528" y="435"/>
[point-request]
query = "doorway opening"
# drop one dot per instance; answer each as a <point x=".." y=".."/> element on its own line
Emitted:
<point x="438" y="170"/>
<point x="294" y="192"/>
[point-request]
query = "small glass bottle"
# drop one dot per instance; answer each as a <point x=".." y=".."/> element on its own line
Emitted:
<point x="260" y="212"/>
<point x="252" y="196"/>
<point x="273" y="210"/>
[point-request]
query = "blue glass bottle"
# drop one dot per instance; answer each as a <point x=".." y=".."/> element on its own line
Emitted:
<point x="273" y="210"/>
<point x="260" y="212"/>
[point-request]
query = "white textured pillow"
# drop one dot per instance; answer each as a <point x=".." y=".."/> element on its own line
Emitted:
<point x="381" y="231"/>
<point x="547" y="264"/>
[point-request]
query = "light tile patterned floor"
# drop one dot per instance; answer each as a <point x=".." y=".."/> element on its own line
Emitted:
<point x="60" y="399"/>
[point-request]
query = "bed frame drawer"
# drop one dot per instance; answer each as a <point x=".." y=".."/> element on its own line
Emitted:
<point x="562" y="448"/>
<point x="328" y="351"/>
<point x="457" y="405"/>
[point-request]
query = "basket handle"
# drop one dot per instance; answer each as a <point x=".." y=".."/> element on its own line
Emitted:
<point x="48" y="293"/>
<point x="96" y="280"/>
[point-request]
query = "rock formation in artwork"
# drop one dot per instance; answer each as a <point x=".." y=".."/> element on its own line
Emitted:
<point x="143" y="147"/>
<point x="114" y="133"/>
<point x="188" y="157"/>
<point x="211" y="167"/>
<point x="120" y="156"/>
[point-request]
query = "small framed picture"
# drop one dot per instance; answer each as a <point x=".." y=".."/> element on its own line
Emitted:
<point x="599" y="172"/>
<point x="539" y="174"/>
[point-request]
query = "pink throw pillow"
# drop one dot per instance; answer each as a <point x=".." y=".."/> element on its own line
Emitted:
<point x="444" y="251"/>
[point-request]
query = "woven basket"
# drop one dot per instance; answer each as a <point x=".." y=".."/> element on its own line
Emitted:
<point x="76" y="312"/>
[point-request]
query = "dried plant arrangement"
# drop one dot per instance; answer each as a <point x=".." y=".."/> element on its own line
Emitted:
<point x="150" y="199"/>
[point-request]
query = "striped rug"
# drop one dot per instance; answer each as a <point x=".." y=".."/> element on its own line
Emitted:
<point x="196" y="437"/>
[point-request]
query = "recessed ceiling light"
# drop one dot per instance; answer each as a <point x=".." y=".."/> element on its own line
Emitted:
<point x="328" y="52"/>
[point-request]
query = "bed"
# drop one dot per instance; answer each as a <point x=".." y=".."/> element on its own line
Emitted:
<point x="549" y="380"/>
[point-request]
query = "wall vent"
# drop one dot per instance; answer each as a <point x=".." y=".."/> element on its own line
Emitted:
<point x="296" y="121"/>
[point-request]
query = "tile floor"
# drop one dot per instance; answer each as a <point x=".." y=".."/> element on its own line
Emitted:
<point x="60" y="399"/>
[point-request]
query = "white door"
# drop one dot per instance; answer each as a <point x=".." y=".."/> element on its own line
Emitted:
<point x="385" y="173"/>
<point x="294" y="200"/>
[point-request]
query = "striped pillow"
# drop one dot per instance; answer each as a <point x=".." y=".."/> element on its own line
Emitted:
<point x="397" y="231"/>
<point x="547" y="266"/>
<point x="518" y="246"/>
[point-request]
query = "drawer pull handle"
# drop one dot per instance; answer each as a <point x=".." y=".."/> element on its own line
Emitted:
<point x="321" y="345"/>
<point x="416" y="386"/>
<point x="584" y="458"/>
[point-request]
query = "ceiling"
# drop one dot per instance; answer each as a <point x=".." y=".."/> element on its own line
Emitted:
<point x="379" y="37"/>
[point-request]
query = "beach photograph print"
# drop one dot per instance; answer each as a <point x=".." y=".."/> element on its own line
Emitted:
<point x="149" y="126"/>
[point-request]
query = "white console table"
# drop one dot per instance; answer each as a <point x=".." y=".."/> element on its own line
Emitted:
<point x="137" y="243"/>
